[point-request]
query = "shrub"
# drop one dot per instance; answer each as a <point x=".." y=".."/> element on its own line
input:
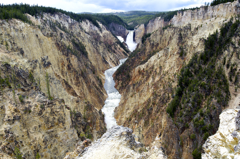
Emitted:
<point x="89" y="136"/>
<point x="205" y="128"/>
<point x="82" y="134"/>
<point x="42" y="106"/>
<point x="30" y="76"/>
<point x="173" y="106"/>
<point x="37" y="156"/>
<point x="192" y="136"/>
<point x="196" y="154"/>
<point x="206" y="135"/>
<point x="17" y="153"/>
<point x="21" y="98"/>
<point x="48" y="87"/>
<point x="145" y="36"/>
<point x="182" y="52"/>
<point x="80" y="47"/>
<point x="201" y="122"/>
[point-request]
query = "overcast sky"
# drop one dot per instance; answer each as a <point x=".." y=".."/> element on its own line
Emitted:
<point x="104" y="6"/>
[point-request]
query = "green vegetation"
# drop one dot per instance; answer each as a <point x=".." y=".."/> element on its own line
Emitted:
<point x="108" y="19"/>
<point x="134" y="18"/>
<point x="201" y="68"/>
<point x="38" y="84"/>
<point x="145" y="36"/>
<point x="216" y="2"/>
<point x="48" y="87"/>
<point x="142" y="149"/>
<point x="203" y="88"/>
<point x="88" y="133"/>
<point x="167" y="16"/>
<point x="168" y="26"/>
<point x="196" y="154"/>
<point x="80" y="47"/>
<point x="18" y="10"/>
<point x="14" y="85"/>
<point x="30" y="76"/>
<point x="206" y="135"/>
<point x="20" y="97"/>
<point x="42" y="106"/>
<point x="17" y="153"/>
<point x="182" y="53"/>
<point x="82" y="134"/>
<point x="7" y="13"/>
<point x="192" y="136"/>
<point x="37" y="156"/>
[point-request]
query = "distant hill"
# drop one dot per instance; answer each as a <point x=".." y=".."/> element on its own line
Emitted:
<point x="134" y="18"/>
<point x="18" y="11"/>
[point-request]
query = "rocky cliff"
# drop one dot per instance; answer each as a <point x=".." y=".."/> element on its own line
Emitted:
<point x="52" y="83"/>
<point x="31" y="124"/>
<point x="118" y="30"/>
<point x="197" y="17"/>
<point x="156" y="72"/>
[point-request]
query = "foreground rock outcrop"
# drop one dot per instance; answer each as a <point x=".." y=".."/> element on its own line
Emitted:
<point x="117" y="143"/>
<point x="226" y="142"/>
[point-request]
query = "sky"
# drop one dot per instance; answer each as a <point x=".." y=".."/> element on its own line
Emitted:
<point x="106" y="6"/>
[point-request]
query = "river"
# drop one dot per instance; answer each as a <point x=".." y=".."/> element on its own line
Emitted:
<point x="114" y="96"/>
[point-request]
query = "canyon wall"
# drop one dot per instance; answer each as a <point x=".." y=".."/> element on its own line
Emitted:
<point x="197" y="17"/>
<point x="54" y="69"/>
<point x="118" y="30"/>
<point x="148" y="80"/>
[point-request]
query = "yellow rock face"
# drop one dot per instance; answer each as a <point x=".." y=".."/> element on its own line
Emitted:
<point x="51" y="51"/>
<point x="149" y="87"/>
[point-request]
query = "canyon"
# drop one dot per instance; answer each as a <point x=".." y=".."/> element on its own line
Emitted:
<point x="148" y="80"/>
<point x="52" y="83"/>
<point x="73" y="89"/>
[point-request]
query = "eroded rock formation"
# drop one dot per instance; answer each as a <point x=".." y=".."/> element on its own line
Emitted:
<point x="225" y="143"/>
<point x="205" y="16"/>
<point x="118" y="30"/>
<point x="51" y="74"/>
<point x="150" y="78"/>
<point x="117" y="143"/>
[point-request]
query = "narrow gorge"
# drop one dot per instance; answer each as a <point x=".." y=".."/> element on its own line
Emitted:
<point x="86" y="86"/>
<point x="114" y="97"/>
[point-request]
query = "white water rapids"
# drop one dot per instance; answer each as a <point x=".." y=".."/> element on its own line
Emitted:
<point x="114" y="96"/>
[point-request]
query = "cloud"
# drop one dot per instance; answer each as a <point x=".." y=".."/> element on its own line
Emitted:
<point x="101" y="6"/>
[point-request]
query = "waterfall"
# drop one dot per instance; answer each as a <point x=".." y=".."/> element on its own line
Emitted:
<point x="114" y="96"/>
<point x="129" y="41"/>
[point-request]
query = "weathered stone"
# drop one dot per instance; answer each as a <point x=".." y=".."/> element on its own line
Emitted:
<point x="117" y="143"/>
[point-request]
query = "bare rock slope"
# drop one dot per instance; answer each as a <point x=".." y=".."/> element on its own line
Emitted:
<point x="148" y="81"/>
<point x="51" y="80"/>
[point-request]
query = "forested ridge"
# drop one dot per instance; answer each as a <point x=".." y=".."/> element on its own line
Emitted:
<point x="203" y="87"/>
<point x="18" y="11"/>
<point x="216" y="2"/>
